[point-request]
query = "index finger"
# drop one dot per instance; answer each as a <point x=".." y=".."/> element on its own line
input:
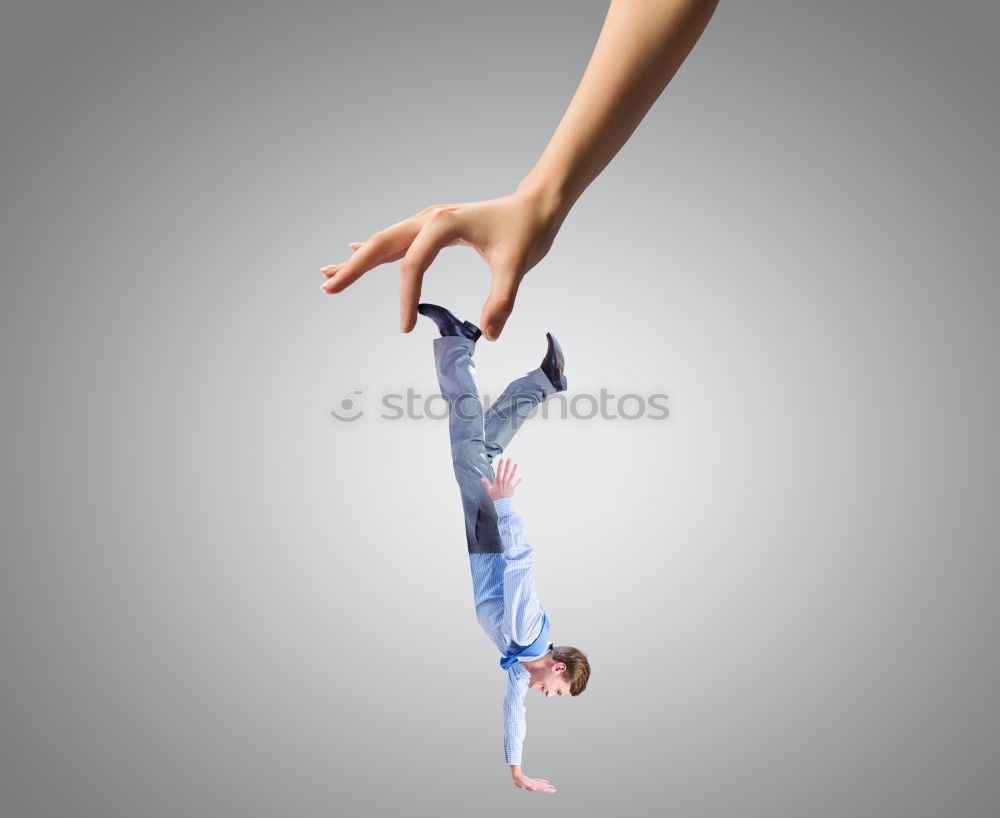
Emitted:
<point x="381" y="247"/>
<point x="438" y="230"/>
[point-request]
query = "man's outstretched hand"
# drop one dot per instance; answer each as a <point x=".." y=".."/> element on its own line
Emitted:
<point x="505" y="485"/>
<point x="512" y="234"/>
<point x="530" y="784"/>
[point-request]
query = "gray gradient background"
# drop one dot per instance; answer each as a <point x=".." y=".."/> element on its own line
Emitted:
<point x="217" y="600"/>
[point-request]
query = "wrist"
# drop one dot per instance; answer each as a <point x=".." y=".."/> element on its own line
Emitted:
<point x="515" y="770"/>
<point x="550" y="195"/>
<point x="503" y="505"/>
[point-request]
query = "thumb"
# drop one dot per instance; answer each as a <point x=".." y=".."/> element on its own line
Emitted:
<point x="500" y="302"/>
<point x="485" y="482"/>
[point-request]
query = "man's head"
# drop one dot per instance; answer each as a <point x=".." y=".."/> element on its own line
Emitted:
<point x="563" y="671"/>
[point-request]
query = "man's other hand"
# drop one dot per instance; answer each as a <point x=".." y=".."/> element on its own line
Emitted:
<point x="531" y="784"/>
<point x="504" y="486"/>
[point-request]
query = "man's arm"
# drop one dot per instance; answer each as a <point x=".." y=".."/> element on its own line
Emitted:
<point x="514" y="726"/>
<point x="522" y="612"/>
<point x="514" y="730"/>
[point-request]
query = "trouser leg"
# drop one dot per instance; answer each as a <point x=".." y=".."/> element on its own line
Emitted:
<point x="456" y="373"/>
<point x="510" y="410"/>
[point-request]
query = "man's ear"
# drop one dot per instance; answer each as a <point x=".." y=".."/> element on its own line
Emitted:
<point x="558" y="667"/>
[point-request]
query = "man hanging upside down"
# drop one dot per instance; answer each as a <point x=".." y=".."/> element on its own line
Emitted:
<point x="501" y="561"/>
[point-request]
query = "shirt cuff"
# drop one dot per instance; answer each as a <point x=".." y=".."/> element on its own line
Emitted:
<point x="504" y="506"/>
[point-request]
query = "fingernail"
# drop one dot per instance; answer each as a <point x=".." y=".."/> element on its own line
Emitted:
<point x="493" y="330"/>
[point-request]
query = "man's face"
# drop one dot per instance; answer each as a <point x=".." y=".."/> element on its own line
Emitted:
<point x="549" y="681"/>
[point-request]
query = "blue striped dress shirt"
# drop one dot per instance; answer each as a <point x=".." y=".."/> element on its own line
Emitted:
<point x="509" y="611"/>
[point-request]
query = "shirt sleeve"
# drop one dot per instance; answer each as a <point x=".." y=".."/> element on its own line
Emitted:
<point x="514" y="724"/>
<point x="522" y="612"/>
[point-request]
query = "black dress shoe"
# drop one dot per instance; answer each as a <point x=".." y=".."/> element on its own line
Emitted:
<point x="553" y="363"/>
<point x="448" y="323"/>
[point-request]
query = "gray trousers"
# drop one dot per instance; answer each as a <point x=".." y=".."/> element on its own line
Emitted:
<point x="476" y="438"/>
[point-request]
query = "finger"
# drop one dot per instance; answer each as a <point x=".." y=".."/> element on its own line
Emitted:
<point x="503" y="469"/>
<point x="486" y="483"/>
<point x="333" y="268"/>
<point x="354" y="275"/>
<point x="500" y="302"/>
<point x="381" y="247"/>
<point x="512" y="472"/>
<point x="440" y="228"/>
<point x="518" y="483"/>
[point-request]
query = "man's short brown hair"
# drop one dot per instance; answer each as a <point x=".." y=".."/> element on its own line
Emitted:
<point x="577" y="671"/>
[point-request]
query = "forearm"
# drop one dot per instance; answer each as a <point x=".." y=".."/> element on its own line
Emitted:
<point x="514" y="730"/>
<point x="640" y="48"/>
<point x="511" y="529"/>
<point x="514" y="727"/>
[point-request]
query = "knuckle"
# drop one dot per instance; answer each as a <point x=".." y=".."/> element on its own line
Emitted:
<point x="439" y="214"/>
